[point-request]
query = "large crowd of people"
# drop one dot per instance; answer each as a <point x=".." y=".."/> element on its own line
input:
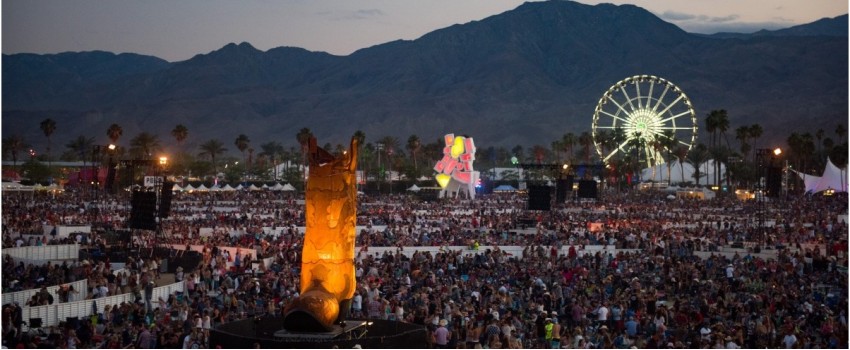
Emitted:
<point x="671" y="283"/>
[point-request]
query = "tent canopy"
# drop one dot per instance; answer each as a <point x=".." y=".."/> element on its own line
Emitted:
<point x="288" y="188"/>
<point x="414" y="188"/>
<point x="504" y="188"/>
<point x="833" y="178"/>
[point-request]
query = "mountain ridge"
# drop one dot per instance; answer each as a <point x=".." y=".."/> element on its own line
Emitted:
<point x="525" y="76"/>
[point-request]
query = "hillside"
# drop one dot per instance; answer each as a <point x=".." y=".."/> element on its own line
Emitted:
<point x="525" y="77"/>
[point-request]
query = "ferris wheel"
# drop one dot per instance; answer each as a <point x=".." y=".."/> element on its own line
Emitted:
<point x="643" y="116"/>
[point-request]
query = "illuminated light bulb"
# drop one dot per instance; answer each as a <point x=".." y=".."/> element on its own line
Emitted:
<point x="443" y="180"/>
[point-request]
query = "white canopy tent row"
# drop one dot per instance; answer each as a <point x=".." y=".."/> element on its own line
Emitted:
<point x="228" y="188"/>
<point x="833" y="178"/>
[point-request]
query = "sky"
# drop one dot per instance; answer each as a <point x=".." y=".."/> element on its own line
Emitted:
<point x="178" y="30"/>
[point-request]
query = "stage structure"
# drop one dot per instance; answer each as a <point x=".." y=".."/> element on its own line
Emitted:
<point x="454" y="172"/>
<point x="327" y="264"/>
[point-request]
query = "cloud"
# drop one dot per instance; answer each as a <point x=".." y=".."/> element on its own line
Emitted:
<point x="703" y="24"/>
<point x="676" y="16"/>
<point x="725" y="19"/>
<point x="681" y="16"/>
<point x="352" y="15"/>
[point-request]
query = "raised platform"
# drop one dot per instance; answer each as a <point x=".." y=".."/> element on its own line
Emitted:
<point x="350" y="327"/>
<point x="268" y="332"/>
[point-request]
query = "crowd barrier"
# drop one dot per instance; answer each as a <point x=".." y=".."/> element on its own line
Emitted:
<point x="44" y="253"/>
<point x="52" y="315"/>
<point x="23" y="296"/>
<point x="511" y="251"/>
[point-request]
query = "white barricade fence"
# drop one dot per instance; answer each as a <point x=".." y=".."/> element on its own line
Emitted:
<point x="44" y="253"/>
<point x="51" y="315"/>
<point x="512" y="251"/>
<point x="23" y="296"/>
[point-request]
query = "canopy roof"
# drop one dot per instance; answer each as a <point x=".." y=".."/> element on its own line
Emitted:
<point x="504" y="188"/>
<point x="833" y="178"/>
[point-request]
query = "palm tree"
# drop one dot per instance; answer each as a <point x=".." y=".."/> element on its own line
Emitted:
<point x="414" y="145"/>
<point x="212" y="149"/>
<point x="180" y="133"/>
<point x="539" y="153"/>
<point x="242" y="142"/>
<point x="556" y="149"/>
<point x="48" y="126"/>
<point x="390" y="145"/>
<point x="272" y="150"/>
<point x="360" y="136"/>
<point x="81" y="146"/>
<point x="605" y="140"/>
<point x="585" y="140"/>
<point x="114" y="133"/>
<point x="14" y="144"/>
<point x="697" y="157"/>
<point x="755" y="132"/>
<point x="144" y="145"/>
<point x="819" y="136"/>
<point x="840" y="130"/>
<point x="519" y="153"/>
<point x="742" y="133"/>
<point x="668" y="142"/>
<point x="717" y="121"/>
<point x="569" y="141"/>
<point x="681" y="153"/>
<point x="303" y="138"/>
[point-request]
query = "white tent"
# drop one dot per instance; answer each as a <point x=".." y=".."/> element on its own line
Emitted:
<point x="189" y="187"/>
<point x="202" y="187"/>
<point x="698" y="193"/>
<point x="16" y="187"/>
<point x="215" y="188"/>
<point x="228" y="188"/>
<point x="254" y="188"/>
<point x="277" y="187"/>
<point x="504" y="188"/>
<point x="833" y="178"/>
<point x="240" y="187"/>
<point x="288" y="188"/>
<point x="265" y="187"/>
<point x="176" y="188"/>
<point x="414" y="188"/>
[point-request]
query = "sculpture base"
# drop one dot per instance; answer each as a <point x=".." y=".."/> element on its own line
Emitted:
<point x="336" y="330"/>
<point x="268" y="332"/>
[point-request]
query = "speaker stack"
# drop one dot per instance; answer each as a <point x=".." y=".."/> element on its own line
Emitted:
<point x="142" y="210"/>
<point x="774" y="181"/>
<point x="587" y="189"/>
<point x="165" y="199"/>
<point x="539" y="198"/>
<point x="565" y="186"/>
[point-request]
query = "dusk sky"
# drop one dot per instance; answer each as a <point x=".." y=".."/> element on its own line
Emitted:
<point x="178" y="30"/>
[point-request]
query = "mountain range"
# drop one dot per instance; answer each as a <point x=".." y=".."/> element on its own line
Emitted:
<point x="526" y="76"/>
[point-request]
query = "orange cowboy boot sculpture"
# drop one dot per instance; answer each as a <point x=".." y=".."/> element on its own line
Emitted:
<point x="327" y="259"/>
